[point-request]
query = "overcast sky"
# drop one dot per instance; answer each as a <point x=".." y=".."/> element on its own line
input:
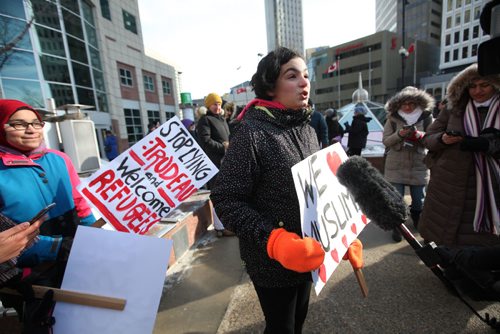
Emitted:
<point x="209" y="40"/>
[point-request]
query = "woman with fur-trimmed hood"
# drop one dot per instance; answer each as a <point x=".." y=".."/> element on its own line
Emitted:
<point x="462" y="203"/>
<point x="409" y="113"/>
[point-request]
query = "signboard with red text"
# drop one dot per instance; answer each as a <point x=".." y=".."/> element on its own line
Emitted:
<point x="329" y="213"/>
<point x="145" y="183"/>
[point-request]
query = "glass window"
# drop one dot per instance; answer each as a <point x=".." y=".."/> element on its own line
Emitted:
<point x="81" y="74"/>
<point x="457" y="20"/>
<point x="18" y="64"/>
<point x="13" y="8"/>
<point x="85" y="96"/>
<point x="458" y="4"/>
<point x="447" y="56"/>
<point x="474" y="50"/>
<point x="169" y="115"/>
<point x="166" y="87"/>
<point x="450" y="5"/>
<point x="126" y="77"/>
<point x="91" y="35"/>
<point x="11" y="29"/>
<point x="455" y="54"/>
<point x="105" y="12"/>
<point x="475" y="32"/>
<point x="148" y="83"/>
<point x="62" y="94"/>
<point x="50" y="41"/>
<point x="466" y="34"/>
<point x="55" y="69"/>
<point x="87" y="12"/>
<point x="77" y="50"/>
<point x="467" y="2"/>
<point x="46" y="13"/>
<point x="134" y="125"/>
<point x="129" y="22"/>
<point x="102" y="102"/>
<point x="457" y="37"/>
<point x="477" y="13"/>
<point x="447" y="39"/>
<point x="448" y="22"/>
<point x="465" y="52"/>
<point x="73" y="24"/>
<point x="98" y="80"/>
<point x="24" y="90"/>
<point x="95" y="58"/>
<point x="467" y="16"/>
<point x="71" y="5"/>
<point x="153" y="116"/>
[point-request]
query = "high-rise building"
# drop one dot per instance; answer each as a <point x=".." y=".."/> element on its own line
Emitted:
<point x="386" y="17"/>
<point x="284" y="24"/>
<point x="87" y="53"/>
<point x="422" y="19"/>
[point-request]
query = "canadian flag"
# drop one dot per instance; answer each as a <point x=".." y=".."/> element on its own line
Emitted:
<point x="411" y="48"/>
<point x="333" y="67"/>
<point x="241" y="90"/>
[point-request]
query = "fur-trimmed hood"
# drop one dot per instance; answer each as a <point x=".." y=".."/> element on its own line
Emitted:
<point x="421" y="98"/>
<point x="456" y="91"/>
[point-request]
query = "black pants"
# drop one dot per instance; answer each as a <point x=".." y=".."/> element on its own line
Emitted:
<point x="354" y="151"/>
<point x="285" y="309"/>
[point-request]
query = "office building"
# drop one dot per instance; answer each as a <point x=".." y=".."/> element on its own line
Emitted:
<point x="284" y="24"/>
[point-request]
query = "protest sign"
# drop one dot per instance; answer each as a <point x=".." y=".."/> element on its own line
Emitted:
<point x="119" y="265"/>
<point x="145" y="183"/>
<point x="328" y="211"/>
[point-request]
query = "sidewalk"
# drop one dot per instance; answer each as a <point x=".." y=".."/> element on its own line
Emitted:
<point x="208" y="291"/>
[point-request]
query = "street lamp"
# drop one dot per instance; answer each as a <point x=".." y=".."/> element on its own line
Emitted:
<point x="402" y="51"/>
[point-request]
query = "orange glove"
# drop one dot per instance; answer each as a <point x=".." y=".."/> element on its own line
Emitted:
<point x="293" y="252"/>
<point x="355" y="254"/>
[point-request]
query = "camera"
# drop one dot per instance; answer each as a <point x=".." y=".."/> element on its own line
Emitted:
<point x="488" y="56"/>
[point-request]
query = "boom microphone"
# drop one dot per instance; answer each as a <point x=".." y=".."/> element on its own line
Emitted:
<point x="377" y="198"/>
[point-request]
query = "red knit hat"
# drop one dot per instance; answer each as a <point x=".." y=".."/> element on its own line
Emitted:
<point x="7" y="109"/>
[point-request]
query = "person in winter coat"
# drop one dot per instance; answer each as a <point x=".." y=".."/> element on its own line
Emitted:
<point x="318" y="123"/>
<point x="463" y="197"/>
<point x="255" y="195"/>
<point x="358" y="131"/>
<point x="31" y="177"/>
<point x="335" y="130"/>
<point x="213" y="132"/>
<point x="110" y="146"/>
<point x="409" y="113"/>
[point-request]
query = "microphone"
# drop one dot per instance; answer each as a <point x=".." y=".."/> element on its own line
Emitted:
<point x="385" y="206"/>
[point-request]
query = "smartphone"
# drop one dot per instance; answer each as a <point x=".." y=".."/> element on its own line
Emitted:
<point x="42" y="213"/>
<point x="454" y="133"/>
<point x="407" y="127"/>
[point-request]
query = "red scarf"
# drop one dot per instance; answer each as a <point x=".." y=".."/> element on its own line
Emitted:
<point x="260" y="103"/>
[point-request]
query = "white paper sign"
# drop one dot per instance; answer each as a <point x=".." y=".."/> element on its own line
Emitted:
<point x="328" y="211"/>
<point x="120" y="265"/>
<point x="145" y="183"/>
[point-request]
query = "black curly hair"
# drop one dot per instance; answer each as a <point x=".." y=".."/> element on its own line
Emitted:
<point x="268" y="71"/>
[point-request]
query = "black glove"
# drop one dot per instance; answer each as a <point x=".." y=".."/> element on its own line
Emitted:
<point x="65" y="249"/>
<point x="37" y="318"/>
<point x="474" y="144"/>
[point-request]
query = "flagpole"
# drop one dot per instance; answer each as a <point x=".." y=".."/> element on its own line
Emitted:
<point x="338" y="80"/>
<point x="415" y="66"/>
<point x="370" y="72"/>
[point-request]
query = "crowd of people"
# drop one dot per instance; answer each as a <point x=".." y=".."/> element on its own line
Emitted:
<point x="446" y="154"/>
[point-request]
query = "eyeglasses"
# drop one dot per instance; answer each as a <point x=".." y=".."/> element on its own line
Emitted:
<point x="22" y="125"/>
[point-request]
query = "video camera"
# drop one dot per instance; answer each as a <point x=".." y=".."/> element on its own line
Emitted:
<point x="488" y="57"/>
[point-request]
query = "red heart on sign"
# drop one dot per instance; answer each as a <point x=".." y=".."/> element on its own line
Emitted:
<point x="344" y="241"/>
<point x="322" y="273"/>
<point x="335" y="255"/>
<point x="354" y="229"/>
<point x="364" y="220"/>
<point x="334" y="161"/>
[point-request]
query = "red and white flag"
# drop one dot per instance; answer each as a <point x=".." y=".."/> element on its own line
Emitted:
<point x="241" y="90"/>
<point x="333" y="67"/>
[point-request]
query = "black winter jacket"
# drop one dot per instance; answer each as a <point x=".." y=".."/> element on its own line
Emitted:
<point x="255" y="193"/>
<point x="212" y="131"/>
<point x="358" y="131"/>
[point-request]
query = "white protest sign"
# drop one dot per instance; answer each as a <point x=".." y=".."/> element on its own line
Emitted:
<point x="145" y="183"/>
<point x="328" y="211"/>
<point x="120" y="265"/>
